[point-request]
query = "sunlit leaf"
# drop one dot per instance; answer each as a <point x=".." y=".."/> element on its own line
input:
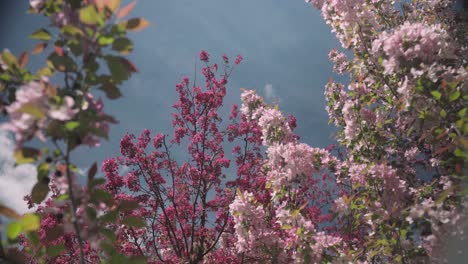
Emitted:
<point x="105" y="40"/>
<point x="454" y="96"/>
<point x="26" y="155"/>
<point x="89" y="15"/>
<point x="71" y="30"/>
<point x="436" y="94"/>
<point x="72" y="125"/>
<point x="8" y="58"/>
<point x="30" y="222"/>
<point x="13" y="230"/>
<point x="41" y="34"/>
<point x="32" y="109"/>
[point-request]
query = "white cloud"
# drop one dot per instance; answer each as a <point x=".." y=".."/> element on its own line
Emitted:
<point x="270" y="93"/>
<point x="15" y="182"/>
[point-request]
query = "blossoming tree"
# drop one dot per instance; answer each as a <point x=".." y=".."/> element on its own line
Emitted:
<point x="393" y="191"/>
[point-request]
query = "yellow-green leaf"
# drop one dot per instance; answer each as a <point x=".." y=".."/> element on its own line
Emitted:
<point x="41" y="34"/>
<point x="89" y="15"/>
<point x="13" y="230"/>
<point x="8" y="58"/>
<point x="33" y="110"/>
<point x="30" y="222"/>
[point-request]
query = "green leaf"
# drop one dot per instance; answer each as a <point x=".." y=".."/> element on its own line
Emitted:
<point x="109" y="217"/>
<point x="122" y="45"/>
<point x="33" y="237"/>
<point x="26" y="155"/>
<point x="101" y="196"/>
<point x="454" y="96"/>
<point x="62" y="63"/>
<point x="71" y="30"/>
<point x="55" y="250"/>
<point x="135" y="24"/>
<point x="96" y="182"/>
<point x="134" y="221"/>
<point x="33" y="110"/>
<point x="109" y="234"/>
<point x="112" y="92"/>
<point x="62" y="197"/>
<point x="41" y="34"/>
<point x="460" y="153"/>
<point x="30" y="222"/>
<point x="8" y="58"/>
<point x="89" y="15"/>
<point x="13" y="230"/>
<point x="443" y="113"/>
<point x="436" y="94"/>
<point x="128" y="206"/>
<point x="72" y="125"/>
<point x="117" y="68"/>
<point x="42" y="171"/>
<point x="462" y="112"/>
<point x="39" y="192"/>
<point x="105" y="40"/>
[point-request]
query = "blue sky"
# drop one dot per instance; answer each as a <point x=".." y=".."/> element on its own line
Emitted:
<point x="284" y="45"/>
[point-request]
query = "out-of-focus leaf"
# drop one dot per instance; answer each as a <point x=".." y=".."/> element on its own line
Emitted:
<point x="99" y="195"/>
<point x="128" y="206"/>
<point x="8" y="212"/>
<point x="122" y="45"/>
<point x="105" y="40"/>
<point x="72" y="125"/>
<point x="92" y="171"/>
<point x="112" y="92"/>
<point x="109" y="234"/>
<point x="134" y="221"/>
<point x="126" y="10"/>
<point x="89" y="15"/>
<point x="112" y="5"/>
<point x="13" y="230"/>
<point x="62" y="63"/>
<point x="454" y="96"/>
<point x="55" y="250"/>
<point x="54" y="233"/>
<point x="436" y="94"/>
<point x="39" y="192"/>
<point x="26" y="155"/>
<point x="8" y="58"/>
<point x="135" y="24"/>
<point x="30" y="222"/>
<point x="117" y="68"/>
<point x="33" y="110"/>
<point x="23" y="59"/>
<point x="41" y="34"/>
<point x="71" y="30"/>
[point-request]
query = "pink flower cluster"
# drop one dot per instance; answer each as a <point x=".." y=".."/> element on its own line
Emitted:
<point x="410" y="45"/>
<point x="33" y="110"/>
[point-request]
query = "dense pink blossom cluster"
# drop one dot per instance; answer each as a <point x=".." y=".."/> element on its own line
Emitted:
<point x="32" y="112"/>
